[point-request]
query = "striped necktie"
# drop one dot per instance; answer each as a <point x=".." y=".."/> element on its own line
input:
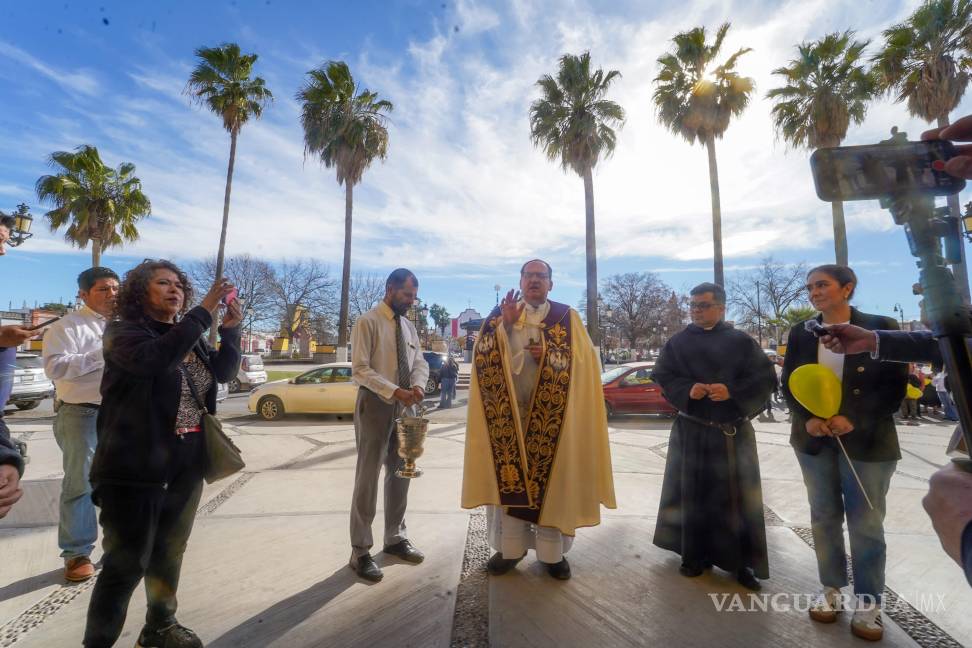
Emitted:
<point x="404" y="375"/>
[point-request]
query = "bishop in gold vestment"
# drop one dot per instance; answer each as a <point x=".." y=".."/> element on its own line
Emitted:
<point x="537" y="449"/>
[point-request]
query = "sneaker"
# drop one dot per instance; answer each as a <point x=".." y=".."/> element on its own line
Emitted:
<point x="825" y="605"/>
<point x="78" y="569"/>
<point x="867" y="623"/>
<point x="173" y="636"/>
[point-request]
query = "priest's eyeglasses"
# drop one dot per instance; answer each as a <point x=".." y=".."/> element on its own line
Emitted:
<point x="536" y="275"/>
<point x="701" y="306"/>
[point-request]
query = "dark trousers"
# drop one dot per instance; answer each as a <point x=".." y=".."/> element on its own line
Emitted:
<point x="145" y="534"/>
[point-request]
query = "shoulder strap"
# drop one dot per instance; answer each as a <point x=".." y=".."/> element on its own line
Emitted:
<point x="193" y="389"/>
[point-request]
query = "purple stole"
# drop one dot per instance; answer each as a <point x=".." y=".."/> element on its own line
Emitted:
<point x="522" y="477"/>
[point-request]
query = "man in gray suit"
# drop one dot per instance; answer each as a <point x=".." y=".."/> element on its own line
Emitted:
<point x="388" y="365"/>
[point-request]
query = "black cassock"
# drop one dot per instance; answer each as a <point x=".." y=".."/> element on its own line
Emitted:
<point x="695" y="516"/>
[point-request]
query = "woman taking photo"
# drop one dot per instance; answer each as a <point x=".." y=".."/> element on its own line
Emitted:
<point x="148" y="468"/>
<point x="871" y="394"/>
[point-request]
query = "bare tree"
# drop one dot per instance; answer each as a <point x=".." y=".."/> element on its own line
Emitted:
<point x="364" y="293"/>
<point x="303" y="294"/>
<point x="762" y="297"/>
<point x="637" y="301"/>
<point x="251" y="276"/>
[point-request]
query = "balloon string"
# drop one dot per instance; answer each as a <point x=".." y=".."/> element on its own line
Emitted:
<point x="854" y="472"/>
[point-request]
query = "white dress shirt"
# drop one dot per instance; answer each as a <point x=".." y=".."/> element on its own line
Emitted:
<point x="73" y="357"/>
<point x="374" y="353"/>
<point x="828" y="358"/>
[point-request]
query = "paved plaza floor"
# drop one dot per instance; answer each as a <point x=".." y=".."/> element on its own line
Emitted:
<point x="267" y="561"/>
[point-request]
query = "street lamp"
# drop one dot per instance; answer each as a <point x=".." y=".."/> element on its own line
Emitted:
<point x="497" y="288"/>
<point x="900" y="311"/>
<point x="22" y="223"/>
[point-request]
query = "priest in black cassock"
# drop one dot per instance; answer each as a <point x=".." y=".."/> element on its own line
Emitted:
<point x="711" y="510"/>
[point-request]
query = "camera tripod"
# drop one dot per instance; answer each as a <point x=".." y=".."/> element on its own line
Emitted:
<point x="927" y="228"/>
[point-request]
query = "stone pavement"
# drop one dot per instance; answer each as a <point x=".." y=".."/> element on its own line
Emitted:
<point x="267" y="561"/>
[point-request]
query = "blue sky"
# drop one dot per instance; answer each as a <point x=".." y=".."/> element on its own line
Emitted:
<point x="463" y="198"/>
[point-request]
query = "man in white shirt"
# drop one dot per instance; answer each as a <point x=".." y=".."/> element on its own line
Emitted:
<point x="387" y="363"/>
<point x="73" y="359"/>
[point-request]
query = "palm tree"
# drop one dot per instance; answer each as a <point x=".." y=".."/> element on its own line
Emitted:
<point x="99" y="204"/>
<point x="696" y="98"/>
<point x="345" y="128"/>
<point x="221" y="82"/>
<point x="927" y="61"/>
<point x="574" y="124"/>
<point x="824" y="89"/>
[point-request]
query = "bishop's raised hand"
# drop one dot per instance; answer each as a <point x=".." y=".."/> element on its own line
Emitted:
<point x="511" y="309"/>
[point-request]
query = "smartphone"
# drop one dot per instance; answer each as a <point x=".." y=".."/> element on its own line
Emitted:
<point x="884" y="170"/>
<point x="230" y="296"/>
<point x="42" y="324"/>
<point x="814" y="327"/>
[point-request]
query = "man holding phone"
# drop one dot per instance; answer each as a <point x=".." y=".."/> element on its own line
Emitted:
<point x="73" y="359"/>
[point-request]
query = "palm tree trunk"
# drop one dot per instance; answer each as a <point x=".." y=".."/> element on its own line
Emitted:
<point x="345" y="274"/>
<point x="95" y="252"/>
<point x="717" y="269"/>
<point x="222" y="234"/>
<point x="592" y="314"/>
<point x="840" y="233"/>
<point x="960" y="269"/>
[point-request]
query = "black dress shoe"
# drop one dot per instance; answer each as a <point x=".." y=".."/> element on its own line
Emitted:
<point x="497" y="565"/>
<point x="748" y="580"/>
<point x="560" y="571"/>
<point x="406" y="551"/>
<point x="366" y="568"/>
<point x="690" y="569"/>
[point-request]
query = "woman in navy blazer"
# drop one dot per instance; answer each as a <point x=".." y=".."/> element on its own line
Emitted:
<point x="871" y="393"/>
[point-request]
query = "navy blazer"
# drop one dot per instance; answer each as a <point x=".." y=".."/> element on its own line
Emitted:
<point x="871" y="393"/>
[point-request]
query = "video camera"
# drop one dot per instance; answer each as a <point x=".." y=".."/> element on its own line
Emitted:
<point x="906" y="177"/>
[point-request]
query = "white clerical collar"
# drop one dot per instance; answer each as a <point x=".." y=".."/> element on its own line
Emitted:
<point x="535" y="309"/>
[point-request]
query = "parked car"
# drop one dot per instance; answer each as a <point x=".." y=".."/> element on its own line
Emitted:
<point x="251" y="374"/>
<point x="435" y="360"/>
<point x="629" y="389"/>
<point x="30" y="384"/>
<point x="323" y="390"/>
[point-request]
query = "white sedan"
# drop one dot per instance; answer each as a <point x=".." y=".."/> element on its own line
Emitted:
<point x="325" y="390"/>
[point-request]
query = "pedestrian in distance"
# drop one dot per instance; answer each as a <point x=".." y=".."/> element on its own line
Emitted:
<point x="388" y="366"/>
<point x="447" y="388"/>
<point x="147" y="472"/>
<point x="73" y="359"/>
<point x="871" y="393"/>
<point x="711" y="509"/>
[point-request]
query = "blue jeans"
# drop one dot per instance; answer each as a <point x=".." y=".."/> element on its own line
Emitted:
<point x="833" y="491"/>
<point x="447" y="392"/>
<point x="74" y="430"/>
<point x="948" y="406"/>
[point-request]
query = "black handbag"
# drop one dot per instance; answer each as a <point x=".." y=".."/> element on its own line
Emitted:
<point x="223" y="457"/>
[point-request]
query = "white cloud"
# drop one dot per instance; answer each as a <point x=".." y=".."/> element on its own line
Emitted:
<point x="80" y="81"/>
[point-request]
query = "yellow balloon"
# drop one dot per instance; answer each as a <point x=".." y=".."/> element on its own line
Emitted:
<point x="913" y="392"/>
<point x="817" y="388"/>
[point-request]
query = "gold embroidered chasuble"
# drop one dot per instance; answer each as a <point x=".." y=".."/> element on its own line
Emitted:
<point x="554" y="470"/>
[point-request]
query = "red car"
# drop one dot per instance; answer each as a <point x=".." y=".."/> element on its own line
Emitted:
<point x="629" y="389"/>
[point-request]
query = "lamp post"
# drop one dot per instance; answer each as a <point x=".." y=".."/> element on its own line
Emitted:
<point x="497" y="288"/>
<point x="759" y="317"/>
<point x="22" y="223"/>
<point x="900" y="311"/>
<point x="608" y="314"/>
